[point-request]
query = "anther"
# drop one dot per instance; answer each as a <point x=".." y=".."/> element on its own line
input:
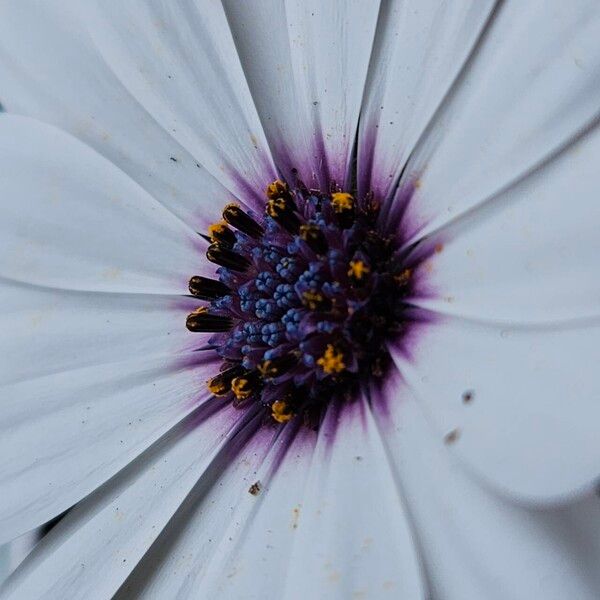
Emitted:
<point x="245" y="385"/>
<point x="403" y="278"/>
<point x="315" y="300"/>
<point x="219" y="232"/>
<point x="343" y="206"/>
<point x="314" y="237"/>
<point x="207" y="289"/>
<point x="342" y="202"/>
<point x="280" y="411"/>
<point x="282" y="209"/>
<point x="220" y="384"/>
<point x="277" y="189"/>
<point x="227" y="258"/>
<point x="358" y="270"/>
<point x="269" y="369"/>
<point x="332" y="360"/>
<point x="236" y="217"/>
<point x="202" y="321"/>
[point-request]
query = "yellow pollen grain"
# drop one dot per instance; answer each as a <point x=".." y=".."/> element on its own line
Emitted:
<point x="332" y="361"/>
<point x="311" y="299"/>
<point x="280" y="411"/>
<point x="342" y="201"/>
<point x="276" y="188"/>
<point x="241" y="388"/>
<point x="358" y="269"/>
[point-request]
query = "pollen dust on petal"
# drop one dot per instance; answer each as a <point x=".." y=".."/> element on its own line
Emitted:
<point x="452" y="436"/>
<point x="295" y="517"/>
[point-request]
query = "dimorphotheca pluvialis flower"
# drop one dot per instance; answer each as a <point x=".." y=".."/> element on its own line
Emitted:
<point x="300" y="299"/>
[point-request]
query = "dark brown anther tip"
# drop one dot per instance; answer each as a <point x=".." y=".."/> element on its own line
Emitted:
<point x="227" y="258"/>
<point x="207" y="289"/>
<point x="202" y="321"/>
<point x="242" y="221"/>
<point x="314" y="238"/>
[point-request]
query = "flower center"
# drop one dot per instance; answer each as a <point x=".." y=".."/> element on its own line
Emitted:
<point x="306" y="297"/>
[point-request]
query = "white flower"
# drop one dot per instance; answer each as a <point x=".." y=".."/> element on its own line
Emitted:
<point x="469" y="472"/>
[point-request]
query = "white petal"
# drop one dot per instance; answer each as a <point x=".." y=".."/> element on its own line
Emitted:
<point x="353" y="536"/>
<point x="306" y="64"/>
<point x="13" y="553"/>
<point x="179" y="61"/>
<point x="420" y="49"/>
<point x="93" y="550"/>
<point x="534" y="84"/>
<point x="253" y="553"/>
<point x="72" y="220"/>
<point x="50" y="69"/>
<point x="476" y="544"/>
<point x="317" y="537"/>
<point x="179" y="560"/>
<point x="531" y="255"/>
<point x="530" y="428"/>
<point x="63" y="435"/>
<point x="46" y="330"/>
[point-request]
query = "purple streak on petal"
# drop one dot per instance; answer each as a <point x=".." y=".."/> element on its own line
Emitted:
<point x="185" y="305"/>
<point x="201" y="357"/>
<point x="393" y="217"/>
<point x="420" y="321"/>
<point x="339" y="416"/>
<point x="364" y="165"/>
<point x="382" y="394"/>
<point x="252" y="186"/>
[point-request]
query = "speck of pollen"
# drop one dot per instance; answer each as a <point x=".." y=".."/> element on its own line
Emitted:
<point x="303" y="302"/>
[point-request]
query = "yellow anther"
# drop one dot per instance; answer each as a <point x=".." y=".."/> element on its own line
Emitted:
<point x="404" y="277"/>
<point x="267" y="369"/>
<point x="280" y="411"/>
<point x="241" y="388"/>
<point x="215" y="229"/>
<point x="276" y="206"/>
<point x="332" y="361"/>
<point x="217" y="386"/>
<point x="342" y="201"/>
<point x="312" y="300"/>
<point x="358" y="269"/>
<point x="276" y="189"/>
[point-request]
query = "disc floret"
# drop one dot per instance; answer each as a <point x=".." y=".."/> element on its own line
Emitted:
<point x="306" y="296"/>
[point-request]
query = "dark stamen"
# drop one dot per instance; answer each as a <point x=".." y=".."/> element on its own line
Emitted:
<point x="207" y="289"/>
<point x="236" y="217"/>
<point x="227" y="258"/>
<point x="219" y="232"/>
<point x="343" y="206"/>
<point x="275" y="367"/>
<point x="282" y="210"/>
<point x="314" y="237"/>
<point x="245" y="385"/>
<point x="277" y="189"/>
<point x="203" y="321"/>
